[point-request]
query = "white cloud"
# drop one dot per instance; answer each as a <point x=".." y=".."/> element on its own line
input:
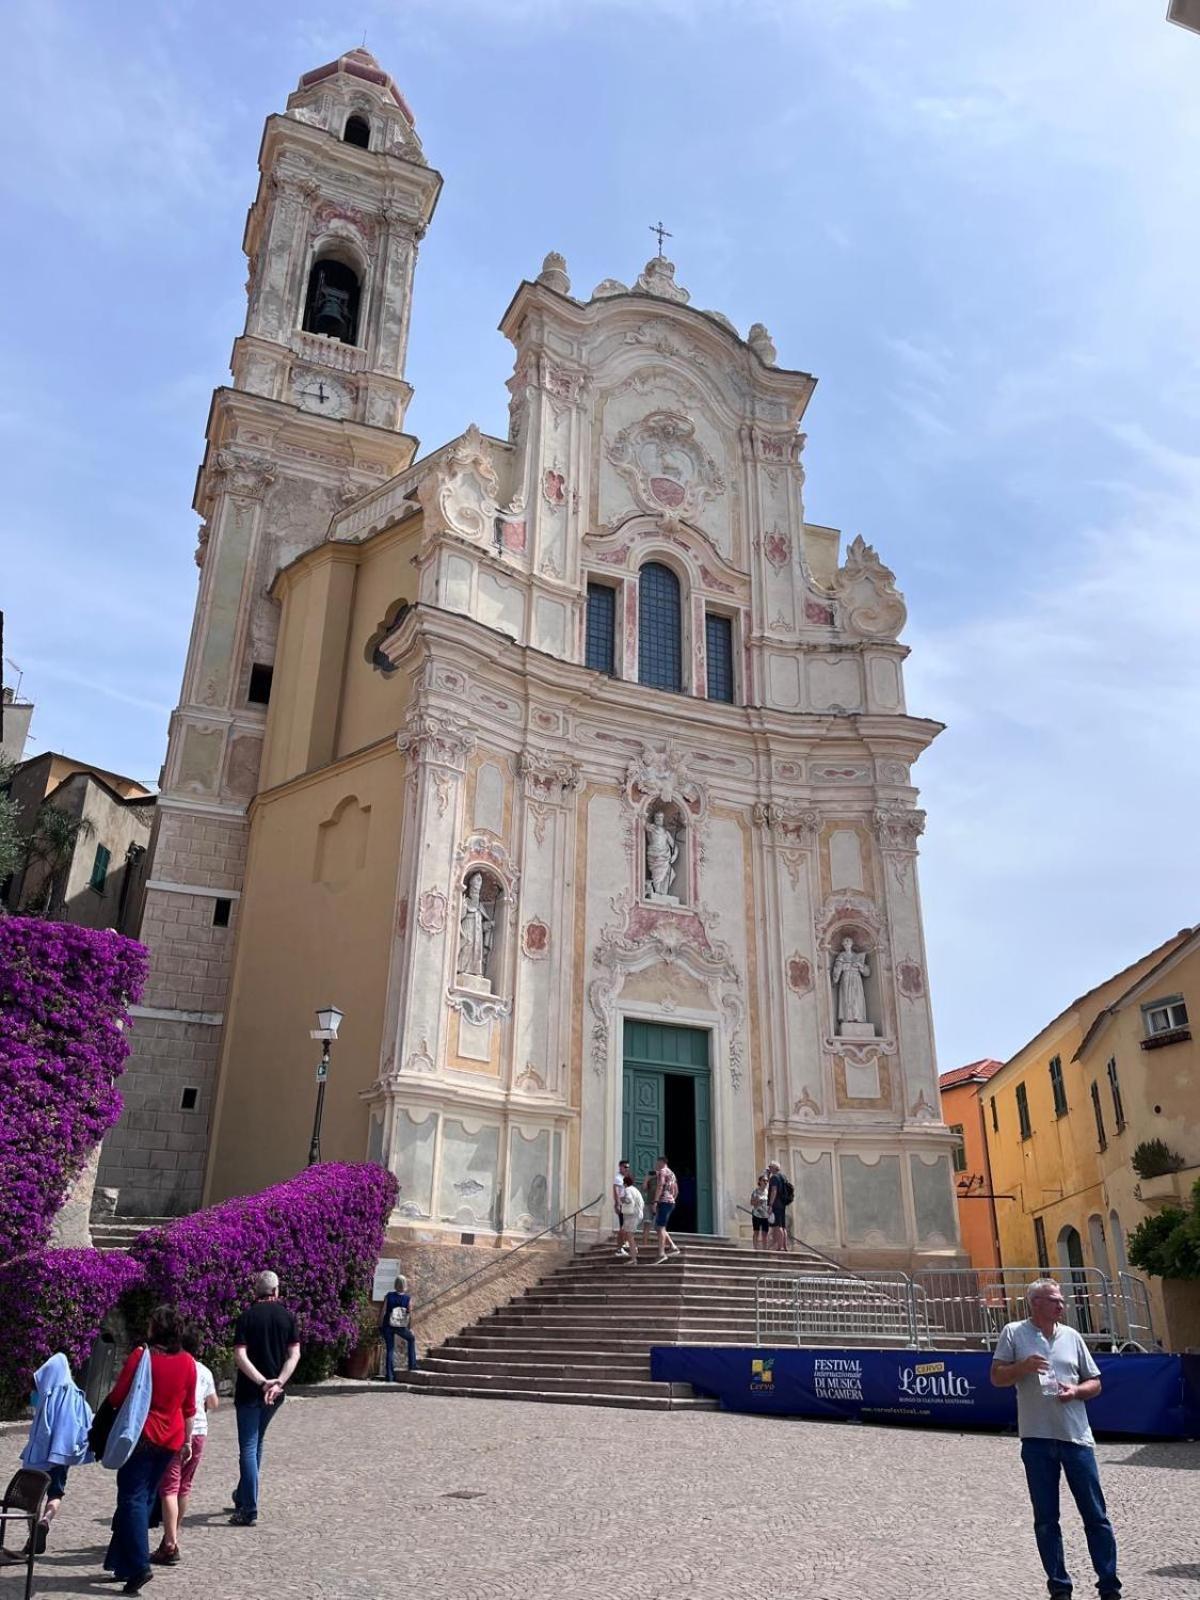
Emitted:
<point x="1062" y="797"/>
<point x="113" y="138"/>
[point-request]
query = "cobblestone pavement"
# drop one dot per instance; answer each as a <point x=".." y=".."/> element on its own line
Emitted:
<point x="386" y="1493"/>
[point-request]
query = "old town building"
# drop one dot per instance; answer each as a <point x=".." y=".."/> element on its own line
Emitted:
<point x="585" y="783"/>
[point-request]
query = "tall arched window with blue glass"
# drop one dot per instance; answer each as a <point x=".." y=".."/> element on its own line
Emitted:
<point x="660" y="628"/>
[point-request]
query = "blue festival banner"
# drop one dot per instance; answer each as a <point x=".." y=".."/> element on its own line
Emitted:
<point x="1151" y="1395"/>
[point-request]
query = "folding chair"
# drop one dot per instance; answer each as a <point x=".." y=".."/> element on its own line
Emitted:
<point x="25" y="1501"/>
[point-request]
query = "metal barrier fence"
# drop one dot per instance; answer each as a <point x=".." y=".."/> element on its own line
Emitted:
<point x="873" y="1307"/>
<point x="975" y="1302"/>
<point x="1136" y="1315"/>
<point x="944" y="1305"/>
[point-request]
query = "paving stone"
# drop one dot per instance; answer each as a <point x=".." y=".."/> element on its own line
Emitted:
<point x="370" y="1493"/>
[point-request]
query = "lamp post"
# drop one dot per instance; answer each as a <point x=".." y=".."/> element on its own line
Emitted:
<point x="330" y="1020"/>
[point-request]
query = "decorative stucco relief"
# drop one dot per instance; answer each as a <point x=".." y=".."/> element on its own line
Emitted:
<point x="459" y="494"/>
<point x="666" y="468"/>
<point x="871" y="604"/>
<point x="678" y="940"/>
<point x="431" y="912"/>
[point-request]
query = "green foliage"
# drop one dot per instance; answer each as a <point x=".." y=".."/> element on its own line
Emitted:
<point x="12" y="841"/>
<point x="1153" y="1158"/>
<point x="1168" y="1245"/>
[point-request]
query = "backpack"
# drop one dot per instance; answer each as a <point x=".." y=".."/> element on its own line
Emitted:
<point x="398" y="1317"/>
<point x="786" y="1191"/>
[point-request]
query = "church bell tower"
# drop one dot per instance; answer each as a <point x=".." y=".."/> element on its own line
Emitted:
<point x="313" y="419"/>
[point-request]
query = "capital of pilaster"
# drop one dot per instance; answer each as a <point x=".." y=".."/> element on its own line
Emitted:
<point x="436" y="739"/>
<point x="546" y="774"/>
<point x="789" y="821"/>
<point x="243" y="473"/>
<point x="898" y="827"/>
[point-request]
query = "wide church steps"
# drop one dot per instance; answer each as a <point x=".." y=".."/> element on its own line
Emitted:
<point x="582" y="1335"/>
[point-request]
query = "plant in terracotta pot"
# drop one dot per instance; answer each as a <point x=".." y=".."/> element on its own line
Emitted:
<point x="363" y="1358"/>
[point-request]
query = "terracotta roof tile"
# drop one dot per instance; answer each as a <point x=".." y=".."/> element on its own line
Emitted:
<point x="976" y="1071"/>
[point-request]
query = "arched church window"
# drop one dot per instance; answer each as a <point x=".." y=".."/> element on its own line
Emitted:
<point x="357" y="131"/>
<point x="331" y="305"/>
<point x="660" y="628"/>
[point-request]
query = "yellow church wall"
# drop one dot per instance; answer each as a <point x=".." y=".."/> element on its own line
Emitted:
<point x="316" y="594"/>
<point x="315" y="929"/>
<point x="373" y="705"/>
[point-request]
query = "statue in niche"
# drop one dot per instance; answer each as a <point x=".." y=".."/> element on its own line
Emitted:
<point x="476" y="927"/>
<point x="849" y="969"/>
<point x="662" y="852"/>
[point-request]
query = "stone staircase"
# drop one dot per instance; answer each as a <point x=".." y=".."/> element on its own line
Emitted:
<point x="582" y="1335"/>
<point x="118" y="1233"/>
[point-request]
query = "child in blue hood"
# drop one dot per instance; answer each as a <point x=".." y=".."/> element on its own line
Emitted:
<point x="58" y="1439"/>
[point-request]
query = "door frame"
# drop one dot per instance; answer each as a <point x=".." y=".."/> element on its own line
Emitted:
<point x="720" y="1086"/>
<point x="706" y="1161"/>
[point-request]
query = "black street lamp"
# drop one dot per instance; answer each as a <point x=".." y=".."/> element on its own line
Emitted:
<point x="330" y="1020"/>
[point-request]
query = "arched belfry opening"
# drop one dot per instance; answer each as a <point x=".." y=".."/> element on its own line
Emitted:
<point x="357" y="131"/>
<point x="332" y="302"/>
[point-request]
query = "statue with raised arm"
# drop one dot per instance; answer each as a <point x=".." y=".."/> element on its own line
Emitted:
<point x="662" y="852"/>
<point x="849" y="969"/>
<point x="475" y="928"/>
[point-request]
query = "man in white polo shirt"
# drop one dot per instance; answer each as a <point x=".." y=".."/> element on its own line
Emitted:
<point x="1054" y="1375"/>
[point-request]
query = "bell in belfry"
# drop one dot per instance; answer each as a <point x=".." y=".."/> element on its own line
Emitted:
<point x="331" y="309"/>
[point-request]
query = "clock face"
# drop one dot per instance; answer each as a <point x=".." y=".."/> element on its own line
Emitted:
<point x="316" y="391"/>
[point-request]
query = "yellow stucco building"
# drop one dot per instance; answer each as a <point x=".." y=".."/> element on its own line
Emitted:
<point x="1117" y="1067"/>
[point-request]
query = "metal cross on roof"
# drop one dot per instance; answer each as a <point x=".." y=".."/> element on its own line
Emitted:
<point x="657" y="227"/>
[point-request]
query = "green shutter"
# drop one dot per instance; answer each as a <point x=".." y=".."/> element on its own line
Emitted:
<point x="100" y="867"/>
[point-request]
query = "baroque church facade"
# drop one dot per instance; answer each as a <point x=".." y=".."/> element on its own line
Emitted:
<point x="573" y="766"/>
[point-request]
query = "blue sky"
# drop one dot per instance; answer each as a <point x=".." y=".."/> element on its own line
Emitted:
<point x="978" y="225"/>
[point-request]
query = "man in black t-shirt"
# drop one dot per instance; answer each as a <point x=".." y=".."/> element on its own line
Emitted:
<point x="266" y="1348"/>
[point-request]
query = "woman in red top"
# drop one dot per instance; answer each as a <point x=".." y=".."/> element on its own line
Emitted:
<point x="168" y="1429"/>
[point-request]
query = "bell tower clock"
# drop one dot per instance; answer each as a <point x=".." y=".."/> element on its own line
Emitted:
<point x="313" y="419"/>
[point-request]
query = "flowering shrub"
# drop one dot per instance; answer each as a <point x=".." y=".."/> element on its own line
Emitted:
<point x="55" y="1300"/>
<point x="321" y="1231"/>
<point x="64" y="992"/>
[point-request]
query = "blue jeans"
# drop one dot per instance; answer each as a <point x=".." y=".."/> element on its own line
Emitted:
<point x="1045" y="1460"/>
<point x="390" y="1335"/>
<point x="137" y="1484"/>
<point x="253" y="1420"/>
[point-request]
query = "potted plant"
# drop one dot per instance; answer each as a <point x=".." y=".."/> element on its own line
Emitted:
<point x="1157" y="1165"/>
<point x="363" y="1359"/>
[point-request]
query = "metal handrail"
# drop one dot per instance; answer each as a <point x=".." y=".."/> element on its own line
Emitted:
<point x="424" y="1305"/>
<point x="830" y="1261"/>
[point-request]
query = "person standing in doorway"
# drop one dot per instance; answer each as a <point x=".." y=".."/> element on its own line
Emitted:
<point x="618" y="1190"/>
<point x="266" y="1348"/>
<point x="760" y="1212"/>
<point x="779" y="1197"/>
<point x="395" y="1322"/>
<point x="633" y="1211"/>
<point x="666" y="1193"/>
<point x="1053" y="1372"/>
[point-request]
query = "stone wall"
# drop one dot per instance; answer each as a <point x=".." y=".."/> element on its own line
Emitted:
<point x="432" y="1268"/>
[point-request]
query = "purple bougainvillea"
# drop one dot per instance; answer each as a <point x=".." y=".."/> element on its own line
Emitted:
<point x="64" y="994"/>
<point x="55" y="1300"/>
<point x="322" y="1232"/>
